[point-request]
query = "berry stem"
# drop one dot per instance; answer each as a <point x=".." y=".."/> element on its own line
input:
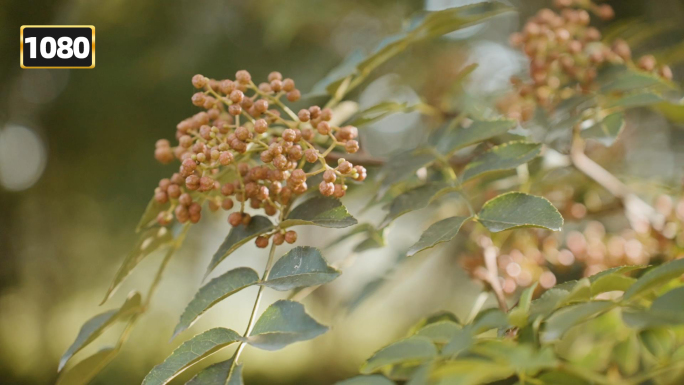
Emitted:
<point x="255" y="309"/>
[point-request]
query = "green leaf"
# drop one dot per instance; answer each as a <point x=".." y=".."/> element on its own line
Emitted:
<point x="518" y="316"/>
<point x="405" y="163"/>
<point x="84" y="371"/>
<point x="670" y="302"/>
<point x="330" y="83"/>
<point x="379" y="111"/>
<point x="523" y="358"/>
<point x="478" y="131"/>
<point x="471" y="371"/>
<point x="218" y="374"/>
<point x="238" y="236"/>
<point x="581" y="292"/>
<point x="659" y="342"/>
<point x="562" y="320"/>
<point x="561" y="378"/>
<point x="548" y="302"/>
<point x="189" y="353"/>
<point x="489" y="319"/>
<point x="632" y="80"/>
<point x="611" y="282"/>
<point x="214" y="292"/>
<point x="506" y="156"/>
<point x="301" y="267"/>
<point x="607" y="130"/>
<point x="515" y="209"/>
<point x="374" y="379"/>
<point x="96" y="325"/>
<point x="440" y="332"/>
<point x="150" y="215"/>
<point x="320" y="211"/>
<point x="627" y="355"/>
<point x="638" y="99"/>
<point x="415" y="199"/>
<point x="656" y="277"/>
<point x="461" y="340"/>
<point x="148" y="242"/>
<point x="442" y="231"/>
<point x="284" y="323"/>
<point x="410" y="350"/>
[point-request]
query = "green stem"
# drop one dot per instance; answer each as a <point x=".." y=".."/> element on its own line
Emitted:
<point x="255" y="308"/>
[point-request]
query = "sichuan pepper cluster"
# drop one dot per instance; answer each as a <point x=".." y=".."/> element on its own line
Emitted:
<point x="248" y="129"/>
<point x="565" y="54"/>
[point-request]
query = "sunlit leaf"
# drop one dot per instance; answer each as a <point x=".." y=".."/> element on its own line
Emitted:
<point x="523" y="358"/>
<point x="284" y="323"/>
<point x="442" y="231"/>
<point x="148" y="242"/>
<point x="518" y="316"/>
<point x="506" y="156"/>
<point x="96" y="325"/>
<point x="409" y="350"/>
<point x="238" y="236"/>
<point x="515" y="209"/>
<point x="562" y="320"/>
<point x="320" y="211"/>
<point x="656" y="277"/>
<point x="84" y="371"/>
<point x="471" y="371"/>
<point x="300" y="267"/>
<point x="214" y="292"/>
<point x="478" y="131"/>
<point x="189" y="353"/>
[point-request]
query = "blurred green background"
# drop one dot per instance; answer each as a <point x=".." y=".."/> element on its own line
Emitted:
<point x="77" y="169"/>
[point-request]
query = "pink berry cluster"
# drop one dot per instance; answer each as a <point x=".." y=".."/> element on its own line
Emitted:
<point x="248" y="128"/>
<point x="565" y="54"/>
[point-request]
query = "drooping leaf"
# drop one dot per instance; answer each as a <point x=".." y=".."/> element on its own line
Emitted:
<point x="84" y="371"/>
<point x="506" y="156"/>
<point x="238" y="236"/>
<point x="284" y="323"/>
<point x="148" y="242"/>
<point x="414" y="199"/>
<point x="442" y="231"/>
<point x="562" y="320"/>
<point x="96" y="325"/>
<point x="214" y="292"/>
<point x="607" y="130"/>
<point x="410" y="350"/>
<point x="189" y="353"/>
<point x="656" y="277"/>
<point x="373" y="379"/>
<point x="218" y="374"/>
<point x="320" y="211"/>
<point x="478" y="131"/>
<point x="300" y="267"/>
<point x="515" y="209"/>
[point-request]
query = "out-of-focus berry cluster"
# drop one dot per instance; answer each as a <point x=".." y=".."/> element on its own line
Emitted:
<point x="543" y="256"/>
<point x="247" y="128"/>
<point x="565" y="54"/>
